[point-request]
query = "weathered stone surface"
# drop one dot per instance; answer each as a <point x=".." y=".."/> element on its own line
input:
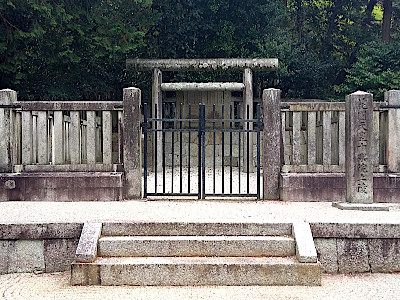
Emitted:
<point x="331" y="187"/>
<point x="272" y="143"/>
<point x="26" y="256"/>
<point x="353" y="255"/>
<point x="327" y="254"/>
<point x="182" y="228"/>
<point x="359" y="167"/>
<point x="393" y="132"/>
<point x="203" y="64"/>
<point x="87" y="246"/>
<point x="132" y="144"/>
<point x="85" y="274"/>
<point x="5" y="247"/>
<point x="355" y="230"/>
<point x="361" y="206"/>
<point x="384" y="255"/>
<point x="7" y="97"/>
<point x="59" y="254"/>
<point x="39" y="231"/>
<point x="62" y="186"/>
<point x="239" y="246"/>
<point x="305" y="248"/>
<point x="197" y="271"/>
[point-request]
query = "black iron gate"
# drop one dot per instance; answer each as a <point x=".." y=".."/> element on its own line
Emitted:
<point x="203" y="153"/>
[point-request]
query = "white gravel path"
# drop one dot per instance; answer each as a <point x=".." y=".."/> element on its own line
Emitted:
<point x="56" y="286"/>
<point x="187" y="211"/>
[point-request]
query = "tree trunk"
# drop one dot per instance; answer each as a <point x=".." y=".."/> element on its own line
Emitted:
<point x="387" y="20"/>
<point x="299" y="18"/>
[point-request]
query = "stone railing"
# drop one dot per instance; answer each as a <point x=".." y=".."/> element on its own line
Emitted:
<point x="63" y="136"/>
<point x="72" y="136"/>
<point x="314" y="135"/>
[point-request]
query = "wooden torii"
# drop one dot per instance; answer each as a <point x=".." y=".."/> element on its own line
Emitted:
<point x="210" y="64"/>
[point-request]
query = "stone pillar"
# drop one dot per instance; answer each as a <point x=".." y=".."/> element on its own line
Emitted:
<point x="248" y="110"/>
<point x="7" y="98"/>
<point x="359" y="168"/>
<point x="272" y="143"/>
<point x="132" y="143"/>
<point x="157" y="113"/>
<point x="359" y="159"/>
<point x="393" y="133"/>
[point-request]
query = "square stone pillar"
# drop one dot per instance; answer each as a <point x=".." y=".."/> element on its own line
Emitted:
<point x="393" y="134"/>
<point x="132" y="143"/>
<point x="359" y="167"/>
<point x="272" y="143"/>
<point x="7" y="98"/>
<point x="359" y="159"/>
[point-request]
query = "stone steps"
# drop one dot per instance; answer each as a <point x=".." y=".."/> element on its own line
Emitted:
<point x="195" y="228"/>
<point x="151" y="253"/>
<point x="182" y="271"/>
<point x="196" y="246"/>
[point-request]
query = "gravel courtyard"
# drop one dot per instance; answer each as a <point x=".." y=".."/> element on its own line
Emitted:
<point x="56" y="286"/>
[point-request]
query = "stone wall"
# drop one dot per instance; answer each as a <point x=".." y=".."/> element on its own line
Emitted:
<point x="38" y="247"/>
<point x="357" y="248"/>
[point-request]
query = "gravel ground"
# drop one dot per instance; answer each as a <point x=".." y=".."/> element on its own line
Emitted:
<point x="186" y="211"/>
<point x="56" y="286"/>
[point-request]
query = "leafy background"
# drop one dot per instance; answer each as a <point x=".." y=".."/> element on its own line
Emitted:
<point x="76" y="49"/>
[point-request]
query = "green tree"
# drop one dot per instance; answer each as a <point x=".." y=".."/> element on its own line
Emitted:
<point x="72" y="49"/>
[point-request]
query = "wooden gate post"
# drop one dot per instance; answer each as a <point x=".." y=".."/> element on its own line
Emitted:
<point x="132" y="143"/>
<point x="272" y="143"/>
<point x="7" y="98"/>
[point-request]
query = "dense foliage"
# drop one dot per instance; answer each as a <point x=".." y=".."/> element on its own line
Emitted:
<point x="70" y="49"/>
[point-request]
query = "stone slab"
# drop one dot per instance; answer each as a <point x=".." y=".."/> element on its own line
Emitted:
<point x="305" y="248"/>
<point x="360" y="206"/>
<point x="87" y="246"/>
<point x="355" y="230"/>
<point x="62" y="186"/>
<point x="331" y="187"/>
<point x="59" y="254"/>
<point x="196" y="246"/>
<point x="353" y="256"/>
<point x="327" y="254"/>
<point x="26" y="256"/>
<point x="186" y="271"/>
<point x="37" y="231"/>
<point x="384" y="255"/>
<point x="196" y="228"/>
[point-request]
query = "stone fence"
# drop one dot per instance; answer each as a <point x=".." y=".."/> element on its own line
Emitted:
<point x="57" y="148"/>
<point x="64" y="151"/>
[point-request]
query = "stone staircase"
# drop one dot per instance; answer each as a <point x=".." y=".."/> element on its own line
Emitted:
<point x="146" y="253"/>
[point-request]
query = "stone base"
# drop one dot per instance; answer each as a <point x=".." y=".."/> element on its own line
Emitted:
<point x="360" y="206"/>
<point x="61" y="186"/>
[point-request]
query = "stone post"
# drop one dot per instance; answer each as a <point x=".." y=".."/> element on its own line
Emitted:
<point x="157" y="113"/>
<point x="272" y="143"/>
<point x="7" y="98"/>
<point x="132" y="143"/>
<point x="359" y="167"/>
<point x="248" y="111"/>
<point x="393" y="133"/>
<point x="359" y="159"/>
